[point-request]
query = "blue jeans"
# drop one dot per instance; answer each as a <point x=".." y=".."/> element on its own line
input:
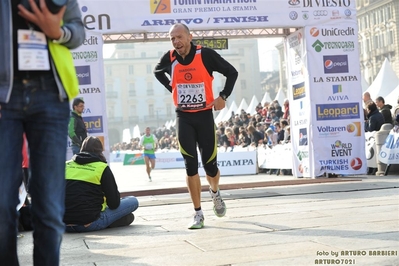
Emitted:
<point x="128" y="205"/>
<point x="34" y="108"/>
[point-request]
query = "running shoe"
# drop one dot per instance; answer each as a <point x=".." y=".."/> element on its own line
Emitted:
<point x="149" y="179"/>
<point x="198" y="222"/>
<point x="219" y="207"/>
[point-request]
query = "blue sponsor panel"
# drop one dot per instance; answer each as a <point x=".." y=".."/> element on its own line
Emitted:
<point x="83" y="75"/>
<point x="335" y="64"/>
<point x="298" y="91"/>
<point x="303" y="137"/>
<point x="338" y="111"/>
<point x="336" y="89"/>
<point x="94" y="124"/>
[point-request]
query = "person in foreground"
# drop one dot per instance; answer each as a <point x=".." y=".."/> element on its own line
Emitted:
<point x="190" y="68"/>
<point x="92" y="199"/>
<point x="37" y="80"/>
<point x="149" y="144"/>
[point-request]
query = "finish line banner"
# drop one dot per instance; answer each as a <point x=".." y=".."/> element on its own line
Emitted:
<point x="130" y="16"/>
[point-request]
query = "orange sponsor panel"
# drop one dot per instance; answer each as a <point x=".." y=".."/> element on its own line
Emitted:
<point x="160" y="6"/>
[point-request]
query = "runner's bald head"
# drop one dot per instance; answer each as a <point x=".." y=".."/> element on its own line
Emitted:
<point x="187" y="30"/>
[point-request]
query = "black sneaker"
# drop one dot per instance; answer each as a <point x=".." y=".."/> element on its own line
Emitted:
<point x="124" y="221"/>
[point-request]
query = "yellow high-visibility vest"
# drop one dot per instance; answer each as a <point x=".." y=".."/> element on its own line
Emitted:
<point x="65" y="67"/>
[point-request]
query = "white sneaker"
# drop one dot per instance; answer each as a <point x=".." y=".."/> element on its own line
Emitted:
<point x="219" y="207"/>
<point x="198" y="222"/>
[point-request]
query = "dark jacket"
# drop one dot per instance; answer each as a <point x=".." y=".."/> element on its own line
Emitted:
<point x="256" y="137"/>
<point x="77" y="129"/>
<point x="245" y="141"/>
<point x="223" y="140"/>
<point x="386" y="112"/>
<point x="83" y="200"/>
<point x="395" y="115"/>
<point x="374" y="122"/>
<point x="280" y="135"/>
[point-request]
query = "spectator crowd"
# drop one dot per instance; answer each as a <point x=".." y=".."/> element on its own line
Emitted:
<point x="376" y="114"/>
<point x="269" y="126"/>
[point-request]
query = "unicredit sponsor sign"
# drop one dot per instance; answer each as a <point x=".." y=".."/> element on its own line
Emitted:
<point x="315" y="31"/>
<point x="92" y="40"/>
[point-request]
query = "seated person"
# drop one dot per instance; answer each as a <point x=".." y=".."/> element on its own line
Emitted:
<point x="92" y="199"/>
<point x="256" y="136"/>
<point x="374" y="118"/>
<point x="244" y="140"/>
<point x="272" y="137"/>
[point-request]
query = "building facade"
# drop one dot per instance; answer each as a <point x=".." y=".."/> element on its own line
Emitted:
<point x="378" y="23"/>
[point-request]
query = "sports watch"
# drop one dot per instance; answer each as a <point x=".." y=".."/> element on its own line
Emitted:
<point x="223" y="96"/>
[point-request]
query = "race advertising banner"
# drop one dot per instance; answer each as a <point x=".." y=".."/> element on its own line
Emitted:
<point x="89" y="67"/>
<point x="389" y="152"/>
<point x="298" y="93"/>
<point x="233" y="163"/>
<point x="229" y="163"/>
<point x="337" y="130"/>
<point x="132" y="16"/>
<point x="133" y="159"/>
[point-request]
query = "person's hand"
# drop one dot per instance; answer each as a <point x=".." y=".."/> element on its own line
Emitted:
<point x="49" y="23"/>
<point x="218" y="104"/>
